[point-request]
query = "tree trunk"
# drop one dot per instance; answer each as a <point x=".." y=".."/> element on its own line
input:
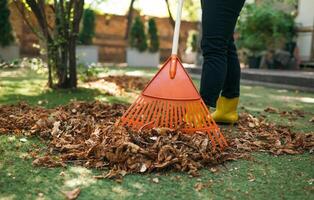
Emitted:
<point x="61" y="21"/>
<point x="72" y="63"/>
<point x="78" y="12"/>
<point x="50" y="66"/>
<point x="171" y="20"/>
<point x="59" y="40"/>
<point x="129" y="20"/>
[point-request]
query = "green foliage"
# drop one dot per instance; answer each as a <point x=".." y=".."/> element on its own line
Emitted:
<point x="264" y="27"/>
<point x="288" y="2"/>
<point x="90" y="73"/>
<point x="6" y="36"/>
<point x="192" y="41"/>
<point x="153" y="45"/>
<point x="138" y="37"/>
<point x="88" y="30"/>
<point x="191" y="10"/>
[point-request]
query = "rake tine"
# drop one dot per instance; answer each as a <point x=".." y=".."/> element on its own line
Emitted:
<point x="163" y="105"/>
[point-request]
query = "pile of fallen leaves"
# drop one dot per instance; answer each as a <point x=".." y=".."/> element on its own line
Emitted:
<point x="291" y="115"/>
<point x="257" y="134"/>
<point x="117" y="85"/>
<point x="84" y="134"/>
<point x="128" y="82"/>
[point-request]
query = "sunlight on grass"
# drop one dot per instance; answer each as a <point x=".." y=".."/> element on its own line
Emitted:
<point x="247" y="87"/>
<point x="254" y="109"/>
<point x="102" y="98"/>
<point x="121" y="192"/>
<point x="104" y="86"/>
<point x="251" y="95"/>
<point x="9" y="197"/>
<point x="293" y="99"/>
<point x="139" y="73"/>
<point x="78" y="176"/>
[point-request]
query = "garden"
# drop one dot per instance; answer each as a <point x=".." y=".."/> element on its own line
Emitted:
<point x="60" y="136"/>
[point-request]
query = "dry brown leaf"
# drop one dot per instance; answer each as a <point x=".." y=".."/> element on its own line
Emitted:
<point x="73" y="194"/>
<point x="251" y="177"/>
<point x="213" y="169"/>
<point x="199" y="186"/>
<point x="155" y="180"/>
<point x="271" y="110"/>
<point x="84" y="134"/>
<point x="143" y="168"/>
<point x="55" y="130"/>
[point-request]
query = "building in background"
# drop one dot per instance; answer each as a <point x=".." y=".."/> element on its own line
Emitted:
<point x="305" y="38"/>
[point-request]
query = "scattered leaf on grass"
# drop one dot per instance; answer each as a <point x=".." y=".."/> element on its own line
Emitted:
<point x="73" y="194"/>
<point x="23" y="140"/>
<point x="251" y="177"/>
<point x="143" y="168"/>
<point x="213" y="169"/>
<point x="199" y="186"/>
<point x="271" y="110"/>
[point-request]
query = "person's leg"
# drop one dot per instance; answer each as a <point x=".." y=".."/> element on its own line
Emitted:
<point x="231" y="87"/>
<point x="227" y="103"/>
<point x="218" y="22"/>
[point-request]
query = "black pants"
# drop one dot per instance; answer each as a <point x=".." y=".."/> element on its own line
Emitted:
<point x="221" y="68"/>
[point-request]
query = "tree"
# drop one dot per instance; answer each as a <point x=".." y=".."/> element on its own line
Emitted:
<point x="264" y="27"/>
<point x="192" y="41"/>
<point x="129" y="19"/>
<point x="60" y="38"/>
<point x="171" y="20"/>
<point x="138" y="37"/>
<point x="153" y="45"/>
<point x="88" y="31"/>
<point x="6" y="36"/>
<point x="191" y="9"/>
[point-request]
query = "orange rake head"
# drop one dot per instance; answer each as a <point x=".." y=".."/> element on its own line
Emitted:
<point x="170" y="100"/>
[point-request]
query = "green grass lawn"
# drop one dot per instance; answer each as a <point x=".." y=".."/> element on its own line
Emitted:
<point x="264" y="177"/>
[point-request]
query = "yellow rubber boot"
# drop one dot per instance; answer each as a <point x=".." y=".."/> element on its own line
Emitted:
<point x="226" y="110"/>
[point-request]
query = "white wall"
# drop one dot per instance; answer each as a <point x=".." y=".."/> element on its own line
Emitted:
<point x="304" y="19"/>
<point x="306" y="13"/>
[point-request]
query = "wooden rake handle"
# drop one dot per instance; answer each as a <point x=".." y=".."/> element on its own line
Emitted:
<point x="175" y="42"/>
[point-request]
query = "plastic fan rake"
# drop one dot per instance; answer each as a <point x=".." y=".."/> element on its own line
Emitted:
<point x="170" y="100"/>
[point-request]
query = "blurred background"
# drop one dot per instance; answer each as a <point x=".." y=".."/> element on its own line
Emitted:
<point x="270" y="34"/>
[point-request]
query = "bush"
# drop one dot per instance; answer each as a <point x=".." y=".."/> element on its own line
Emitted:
<point x="138" y="39"/>
<point x="6" y="36"/>
<point x="153" y="36"/>
<point x="192" y="41"/>
<point x="264" y="28"/>
<point x="88" y="30"/>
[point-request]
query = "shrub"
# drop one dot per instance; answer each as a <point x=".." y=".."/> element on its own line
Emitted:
<point x="264" y="28"/>
<point x="138" y="38"/>
<point x="192" y="41"/>
<point x="6" y="36"/>
<point x="153" y="38"/>
<point x="88" y="30"/>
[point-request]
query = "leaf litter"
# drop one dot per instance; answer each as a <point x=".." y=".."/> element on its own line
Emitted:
<point x="117" y="85"/>
<point x="84" y="133"/>
<point x="128" y="82"/>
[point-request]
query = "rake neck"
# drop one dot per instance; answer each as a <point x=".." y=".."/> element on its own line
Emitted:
<point x="176" y="34"/>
